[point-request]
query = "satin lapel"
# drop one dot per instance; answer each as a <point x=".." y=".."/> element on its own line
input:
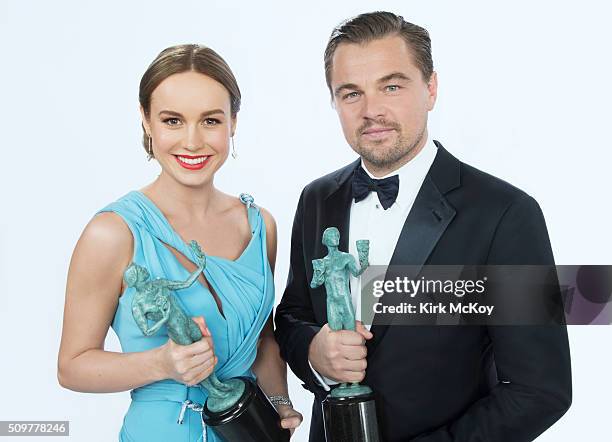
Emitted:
<point x="428" y="219"/>
<point x="336" y="213"/>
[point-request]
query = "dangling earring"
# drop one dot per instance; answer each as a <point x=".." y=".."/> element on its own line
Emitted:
<point x="150" y="149"/>
<point x="234" y="153"/>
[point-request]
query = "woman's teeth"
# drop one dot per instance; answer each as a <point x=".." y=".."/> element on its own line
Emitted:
<point x="192" y="160"/>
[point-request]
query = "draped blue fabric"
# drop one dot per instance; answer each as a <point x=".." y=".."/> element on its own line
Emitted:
<point x="245" y="287"/>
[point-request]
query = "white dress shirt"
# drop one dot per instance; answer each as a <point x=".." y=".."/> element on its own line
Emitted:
<point x="368" y="220"/>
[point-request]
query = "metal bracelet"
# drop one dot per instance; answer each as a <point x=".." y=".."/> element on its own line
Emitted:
<point x="280" y="400"/>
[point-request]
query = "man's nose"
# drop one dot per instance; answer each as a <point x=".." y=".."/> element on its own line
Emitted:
<point x="374" y="107"/>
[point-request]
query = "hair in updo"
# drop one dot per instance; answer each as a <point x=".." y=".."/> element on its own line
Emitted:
<point x="186" y="58"/>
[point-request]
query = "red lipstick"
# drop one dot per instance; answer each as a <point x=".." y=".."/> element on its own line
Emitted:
<point x="192" y="162"/>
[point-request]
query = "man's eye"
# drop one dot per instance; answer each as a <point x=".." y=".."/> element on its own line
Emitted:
<point x="172" y="121"/>
<point x="211" y="122"/>
<point x="392" y="88"/>
<point x="351" y="96"/>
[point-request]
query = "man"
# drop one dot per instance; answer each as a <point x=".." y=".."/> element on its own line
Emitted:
<point x="435" y="383"/>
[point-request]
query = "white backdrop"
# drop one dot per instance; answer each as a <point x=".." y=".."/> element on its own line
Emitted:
<point x="524" y="94"/>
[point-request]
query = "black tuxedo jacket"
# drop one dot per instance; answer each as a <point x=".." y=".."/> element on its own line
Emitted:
<point x="438" y="383"/>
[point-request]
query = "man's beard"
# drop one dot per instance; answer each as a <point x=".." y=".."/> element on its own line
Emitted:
<point x="386" y="157"/>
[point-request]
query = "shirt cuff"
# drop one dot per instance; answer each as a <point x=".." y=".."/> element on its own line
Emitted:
<point x="323" y="381"/>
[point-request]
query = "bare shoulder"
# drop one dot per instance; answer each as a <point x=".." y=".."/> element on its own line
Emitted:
<point x="105" y="239"/>
<point x="108" y="229"/>
<point x="236" y="208"/>
<point x="94" y="283"/>
<point x="234" y="205"/>
<point x="271" y="244"/>
<point x="230" y="203"/>
<point x="269" y="221"/>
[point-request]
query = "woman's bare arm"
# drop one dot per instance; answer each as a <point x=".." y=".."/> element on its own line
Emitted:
<point x="95" y="282"/>
<point x="93" y="288"/>
<point x="269" y="367"/>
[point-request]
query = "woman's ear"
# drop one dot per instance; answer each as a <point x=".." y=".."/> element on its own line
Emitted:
<point x="145" y="120"/>
<point x="234" y="123"/>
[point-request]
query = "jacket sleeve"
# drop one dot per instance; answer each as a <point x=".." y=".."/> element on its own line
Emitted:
<point x="532" y="361"/>
<point x="295" y="320"/>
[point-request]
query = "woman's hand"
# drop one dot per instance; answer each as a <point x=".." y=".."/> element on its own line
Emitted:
<point x="188" y="364"/>
<point x="290" y="418"/>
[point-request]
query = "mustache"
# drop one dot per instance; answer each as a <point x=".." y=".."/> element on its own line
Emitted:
<point x="381" y="123"/>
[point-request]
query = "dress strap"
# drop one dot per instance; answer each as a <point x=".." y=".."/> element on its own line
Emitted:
<point x="252" y="210"/>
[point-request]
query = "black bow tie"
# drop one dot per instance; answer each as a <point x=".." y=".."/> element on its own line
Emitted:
<point x="386" y="189"/>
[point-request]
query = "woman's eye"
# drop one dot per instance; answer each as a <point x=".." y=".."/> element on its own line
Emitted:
<point x="172" y="121"/>
<point x="211" y="122"/>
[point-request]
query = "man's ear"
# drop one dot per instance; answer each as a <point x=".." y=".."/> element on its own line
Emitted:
<point x="145" y="120"/>
<point x="432" y="87"/>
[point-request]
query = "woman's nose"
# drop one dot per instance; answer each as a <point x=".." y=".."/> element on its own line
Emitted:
<point x="195" y="139"/>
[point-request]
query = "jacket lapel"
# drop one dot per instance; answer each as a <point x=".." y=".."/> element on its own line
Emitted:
<point x="428" y="219"/>
<point x="335" y="212"/>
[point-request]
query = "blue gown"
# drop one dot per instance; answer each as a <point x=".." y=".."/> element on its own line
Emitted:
<point x="245" y="287"/>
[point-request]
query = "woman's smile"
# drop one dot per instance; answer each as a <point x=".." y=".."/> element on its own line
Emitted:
<point x="192" y="162"/>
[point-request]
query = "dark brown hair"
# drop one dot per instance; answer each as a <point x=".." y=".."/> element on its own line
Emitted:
<point x="376" y="25"/>
<point x="185" y="58"/>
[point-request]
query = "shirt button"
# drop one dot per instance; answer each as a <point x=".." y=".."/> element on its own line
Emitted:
<point x="377" y="206"/>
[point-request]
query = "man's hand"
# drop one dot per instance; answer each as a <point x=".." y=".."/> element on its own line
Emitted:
<point x="341" y="354"/>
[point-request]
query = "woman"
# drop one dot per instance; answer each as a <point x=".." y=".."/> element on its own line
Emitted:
<point x="189" y="100"/>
